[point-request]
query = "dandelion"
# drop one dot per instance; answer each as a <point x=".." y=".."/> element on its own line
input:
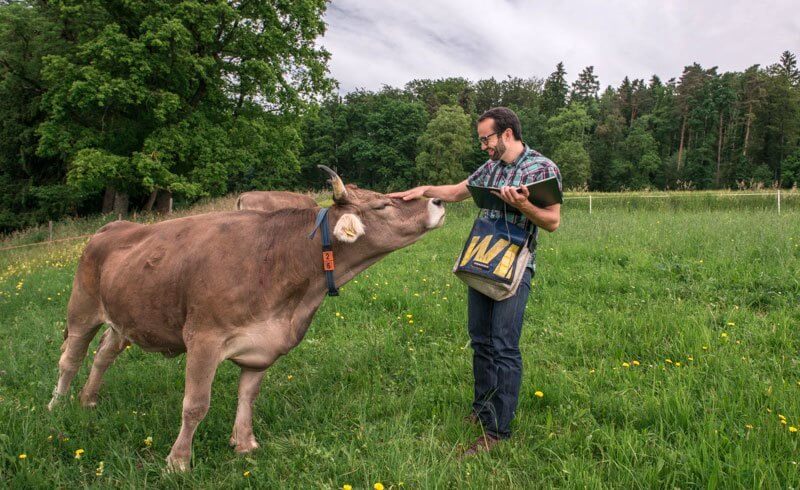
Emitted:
<point x="246" y="474"/>
<point x="378" y="486"/>
<point x="626" y="365"/>
<point x="100" y="467"/>
<point x="792" y="428"/>
<point x="79" y="453"/>
<point x="783" y="421"/>
<point x="731" y="324"/>
<point x="148" y="441"/>
<point x="409" y="316"/>
<point x="668" y="361"/>
<point x="411" y="322"/>
<point x="347" y="487"/>
<point x="23" y="456"/>
<point x="705" y="347"/>
<point x="723" y="335"/>
<point x="677" y="364"/>
<point x="781" y="417"/>
<point x="748" y="426"/>
<point x="635" y="363"/>
<point x="289" y="377"/>
<point x="591" y="371"/>
<point x="538" y="394"/>
<point x="690" y="358"/>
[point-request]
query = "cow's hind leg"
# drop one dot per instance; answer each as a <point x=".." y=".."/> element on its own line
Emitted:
<point x="111" y="344"/>
<point x="201" y="365"/>
<point x="83" y="321"/>
<point x="242" y="437"/>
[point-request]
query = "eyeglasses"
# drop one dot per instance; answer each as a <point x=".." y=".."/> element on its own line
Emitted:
<point x="485" y="139"/>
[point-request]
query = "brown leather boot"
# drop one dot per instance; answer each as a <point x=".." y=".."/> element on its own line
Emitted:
<point x="481" y="444"/>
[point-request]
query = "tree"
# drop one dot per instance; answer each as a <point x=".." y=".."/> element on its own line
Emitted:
<point x="444" y="147"/>
<point x="555" y="92"/>
<point x="567" y="133"/>
<point x="585" y="88"/>
<point x="31" y="186"/>
<point x="157" y="95"/>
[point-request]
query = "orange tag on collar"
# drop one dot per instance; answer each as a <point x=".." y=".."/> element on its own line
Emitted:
<point x="327" y="260"/>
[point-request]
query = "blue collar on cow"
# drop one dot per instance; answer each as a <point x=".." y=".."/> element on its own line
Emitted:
<point x="327" y="250"/>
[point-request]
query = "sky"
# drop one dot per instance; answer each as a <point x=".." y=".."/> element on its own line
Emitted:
<point x="384" y="42"/>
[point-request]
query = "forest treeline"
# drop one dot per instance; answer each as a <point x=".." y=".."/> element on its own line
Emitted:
<point x="111" y="105"/>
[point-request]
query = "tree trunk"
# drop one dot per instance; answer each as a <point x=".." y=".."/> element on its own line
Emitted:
<point x="150" y="201"/>
<point x="719" y="151"/>
<point x="747" y="129"/>
<point x="108" y="200"/>
<point x="680" y="146"/>
<point x="164" y="202"/>
<point x="121" y="203"/>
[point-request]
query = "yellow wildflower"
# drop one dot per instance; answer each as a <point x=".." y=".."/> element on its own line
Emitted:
<point x="79" y="453"/>
<point x="723" y="335"/>
<point x="347" y="487"/>
<point x="626" y="365"/>
<point x="705" y="347"/>
<point x="289" y="377"/>
<point x="409" y="315"/>
<point x="378" y="486"/>
<point x="748" y="426"/>
<point x="23" y="456"/>
<point x="246" y="474"/>
<point x="677" y="364"/>
<point x="538" y="394"/>
<point x="668" y="361"/>
<point x="100" y="467"/>
<point x="635" y="363"/>
<point x="783" y="421"/>
<point x="731" y="324"/>
<point x="148" y="441"/>
<point x="792" y="428"/>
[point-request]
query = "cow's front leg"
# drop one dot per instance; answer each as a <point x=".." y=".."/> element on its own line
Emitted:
<point x="242" y="437"/>
<point x="201" y="365"/>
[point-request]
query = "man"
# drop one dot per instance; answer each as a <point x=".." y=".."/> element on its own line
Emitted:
<point x="495" y="326"/>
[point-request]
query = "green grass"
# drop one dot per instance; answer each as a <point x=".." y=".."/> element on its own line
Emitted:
<point x="370" y="397"/>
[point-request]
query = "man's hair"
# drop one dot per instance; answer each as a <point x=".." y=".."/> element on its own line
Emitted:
<point x="504" y="118"/>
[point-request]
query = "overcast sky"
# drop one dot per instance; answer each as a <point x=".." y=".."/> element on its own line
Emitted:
<point x="377" y="42"/>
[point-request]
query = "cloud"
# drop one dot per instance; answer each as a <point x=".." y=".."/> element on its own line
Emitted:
<point x="392" y="43"/>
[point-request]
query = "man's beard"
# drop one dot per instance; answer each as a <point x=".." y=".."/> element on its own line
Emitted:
<point x="498" y="150"/>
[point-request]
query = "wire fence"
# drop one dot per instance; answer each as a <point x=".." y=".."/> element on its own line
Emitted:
<point x="776" y="201"/>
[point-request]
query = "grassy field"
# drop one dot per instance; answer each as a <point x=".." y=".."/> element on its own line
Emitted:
<point x="665" y="343"/>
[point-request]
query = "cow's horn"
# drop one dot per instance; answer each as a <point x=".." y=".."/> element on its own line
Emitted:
<point x="339" y="191"/>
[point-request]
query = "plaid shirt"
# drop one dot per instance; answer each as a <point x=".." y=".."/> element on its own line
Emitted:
<point x="530" y="167"/>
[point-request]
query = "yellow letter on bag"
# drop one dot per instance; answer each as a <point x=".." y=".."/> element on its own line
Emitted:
<point x="505" y="268"/>
<point x="478" y="250"/>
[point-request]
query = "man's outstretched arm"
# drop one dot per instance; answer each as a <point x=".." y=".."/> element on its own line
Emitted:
<point x="449" y="193"/>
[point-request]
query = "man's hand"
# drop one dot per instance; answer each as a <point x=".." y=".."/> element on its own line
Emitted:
<point x="515" y="196"/>
<point x="410" y="194"/>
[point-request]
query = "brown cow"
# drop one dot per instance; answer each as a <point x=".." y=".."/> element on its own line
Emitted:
<point x="273" y="200"/>
<point x="234" y="285"/>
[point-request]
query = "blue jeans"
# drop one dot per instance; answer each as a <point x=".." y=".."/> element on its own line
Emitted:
<point x="495" y="328"/>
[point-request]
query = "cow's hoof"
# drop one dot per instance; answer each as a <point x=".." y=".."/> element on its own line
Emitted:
<point x="88" y="402"/>
<point x="246" y="447"/>
<point x="177" y="464"/>
<point x="53" y="403"/>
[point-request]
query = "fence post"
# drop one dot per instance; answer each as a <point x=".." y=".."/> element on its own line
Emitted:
<point x="590" y="204"/>
<point x="50" y="229"/>
<point x="779" y="200"/>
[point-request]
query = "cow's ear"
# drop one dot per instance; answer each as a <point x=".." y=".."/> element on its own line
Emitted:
<point x="349" y="228"/>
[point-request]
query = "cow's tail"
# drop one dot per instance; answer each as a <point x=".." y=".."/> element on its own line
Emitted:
<point x="239" y="203"/>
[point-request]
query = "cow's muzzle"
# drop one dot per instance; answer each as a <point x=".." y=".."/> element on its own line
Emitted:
<point x="435" y="213"/>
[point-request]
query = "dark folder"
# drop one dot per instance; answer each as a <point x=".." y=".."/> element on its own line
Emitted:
<point x="542" y="194"/>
